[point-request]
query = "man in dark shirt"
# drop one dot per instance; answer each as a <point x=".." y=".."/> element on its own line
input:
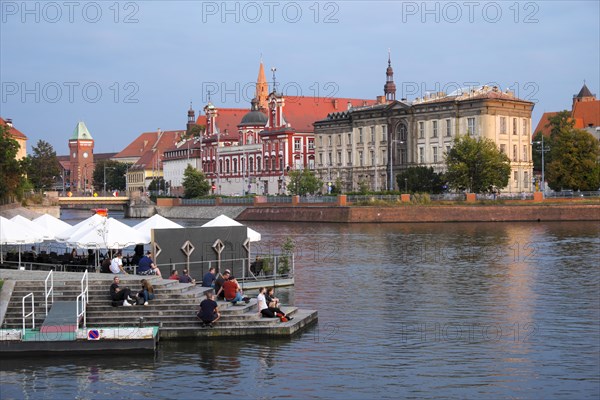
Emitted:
<point x="186" y="278"/>
<point x="209" y="310"/>
<point x="219" y="281"/>
<point x="209" y="278"/>
<point x="118" y="294"/>
<point x="145" y="265"/>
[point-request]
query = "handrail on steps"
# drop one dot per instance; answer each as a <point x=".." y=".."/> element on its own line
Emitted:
<point x="32" y="313"/>
<point x="49" y="292"/>
<point x="82" y="300"/>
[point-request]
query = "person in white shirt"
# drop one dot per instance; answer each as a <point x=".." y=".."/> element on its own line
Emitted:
<point x="263" y="308"/>
<point x="116" y="265"/>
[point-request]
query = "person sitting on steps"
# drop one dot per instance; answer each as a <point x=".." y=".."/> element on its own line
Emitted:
<point x="147" y="292"/>
<point x="233" y="291"/>
<point x="209" y="310"/>
<point x="120" y="295"/>
<point x="266" y="310"/>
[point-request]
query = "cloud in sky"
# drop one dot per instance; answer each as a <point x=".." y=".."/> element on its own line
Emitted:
<point x="128" y="67"/>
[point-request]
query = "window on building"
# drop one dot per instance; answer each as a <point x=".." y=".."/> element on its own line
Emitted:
<point x="349" y="157"/>
<point x="329" y="158"/>
<point x="321" y="159"/>
<point x="339" y="139"/>
<point x="516" y="176"/>
<point x="435" y="154"/>
<point x="421" y="155"/>
<point x="227" y="166"/>
<point x="515" y="155"/>
<point x="434" y="125"/>
<point x="514" y="126"/>
<point x="448" y="149"/>
<point x="258" y="165"/>
<point x="329" y="141"/>
<point x="280" y="163"/>
<point x="525" y="179"/>
<point x="274" y="163"/>
<point x="339" y="158"/>
<point x="251" y="164"/>
<point x="235" y="165"/>
<point x="296" y="144"/>
<point x="360" y="158"/>
<point x="471" y="126"/>
<point x="421" y="130"/>
<point x="372" y="134"/>
<point x="372" y="157"/>
<point x="311" y="144"/>
<point x="350" y="138"/>
<point x="384" y="132"/>
<point x="321" y="141"/>
<point x="360" y="137"/>
<point x="448" y="128"/>
<point x="525" y="153"/>
<point x="502" y="125"/>
<point x="311" y="163"/>
<point x="525" y="127"/>
<point x="503" y="148"/>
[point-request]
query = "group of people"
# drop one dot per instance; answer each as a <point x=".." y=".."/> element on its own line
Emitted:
<point x="122" y="295"/>
<point x="145" y="265"/>
<point x="183" y="278"/>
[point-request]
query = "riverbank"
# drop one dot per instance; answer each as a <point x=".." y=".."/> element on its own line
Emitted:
<point x="425" y="213"/>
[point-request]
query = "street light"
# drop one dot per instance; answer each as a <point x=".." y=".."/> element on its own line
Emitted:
<point x="542" y="150"/>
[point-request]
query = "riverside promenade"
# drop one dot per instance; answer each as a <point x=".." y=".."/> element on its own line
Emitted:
<point x="173" y="310"/>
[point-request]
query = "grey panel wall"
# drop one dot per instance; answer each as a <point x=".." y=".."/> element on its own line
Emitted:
<point x="171" y="255"/>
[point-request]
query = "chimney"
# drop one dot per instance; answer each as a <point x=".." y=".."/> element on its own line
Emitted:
<point x="335" y="104"/>
<point x="349" y="105"/>
<point x="380" y="99"/>
<point x="9" y="122"/>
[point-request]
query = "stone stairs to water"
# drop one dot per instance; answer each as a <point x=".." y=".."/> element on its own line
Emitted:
<point x="173" y="310"/>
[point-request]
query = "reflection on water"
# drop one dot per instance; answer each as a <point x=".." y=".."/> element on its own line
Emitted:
<point x="427" y="310"/>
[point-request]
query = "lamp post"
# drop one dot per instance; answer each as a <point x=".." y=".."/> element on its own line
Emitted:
<point x="406" y="185"/>
<point x="542" y="150"/>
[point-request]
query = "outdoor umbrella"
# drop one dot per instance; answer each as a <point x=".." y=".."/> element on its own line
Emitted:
<point x="223" y="220"/>
<point x="12" y="233"/>
<point x="154" y="222"/>
<point x="83" y="226"/>
<point x="51" y="224"/>
<point x="33" y="227"/>
<point x="108" y="234"/>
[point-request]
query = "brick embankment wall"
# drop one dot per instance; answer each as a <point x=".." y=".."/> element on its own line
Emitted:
<point x="200" y="212"/>
<point x="475" y="213"/>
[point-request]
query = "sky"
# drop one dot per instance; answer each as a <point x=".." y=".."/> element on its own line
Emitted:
<point x="127" y="67"/>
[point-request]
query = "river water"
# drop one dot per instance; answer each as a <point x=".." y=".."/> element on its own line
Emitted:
<point x="461" y="310"/>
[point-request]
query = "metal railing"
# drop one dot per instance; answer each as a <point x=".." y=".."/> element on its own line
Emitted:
<point x="82" y="300"/>
<point x="32" y="313"/>
<point x="198" y="202"/>
<point x="237" y="200"/>
<point x="279" y="199"/>
<point x="318" y="199"/>
<point x="51" y="291"/>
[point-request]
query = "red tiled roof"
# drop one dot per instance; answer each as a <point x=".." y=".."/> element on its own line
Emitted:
<point x="146" y="141"/>
<point x="14" y="132"/>
<point x="541" y="126"/>
<point x="299" y="111"/>
<point x="586" y="113"/>
<point x="154" y="149"/>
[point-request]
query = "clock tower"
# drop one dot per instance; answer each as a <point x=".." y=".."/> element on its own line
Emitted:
<point x="81" y="153"/>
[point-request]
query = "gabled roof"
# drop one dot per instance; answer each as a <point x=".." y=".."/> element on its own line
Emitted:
<point x="302" y="112"/>
<point x="227" y="120"/>
<point x="587" y="113"/>
<point x="14" y="132"/>
<point x="81" y="132"/>
<point x="151" y="147"/>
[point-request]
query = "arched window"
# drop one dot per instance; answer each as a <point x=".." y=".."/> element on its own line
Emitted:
<point x="402" y="132"/>
<point x="258" y="163"/>
<point x="227" y="166"/>
<point x="235" y="165"/>
<point x="220" y="171"/>
<point x="251" y="164"/>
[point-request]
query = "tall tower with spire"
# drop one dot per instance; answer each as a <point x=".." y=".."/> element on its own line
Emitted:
<point x="191" y="121"/>
<point x="262" y="89"/>
<point x="81" y="146"/>
<point x="390" y="87"/>
<point x="584" y="95"/>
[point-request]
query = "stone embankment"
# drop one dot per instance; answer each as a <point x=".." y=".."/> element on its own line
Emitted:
<point x="429" y="213"/>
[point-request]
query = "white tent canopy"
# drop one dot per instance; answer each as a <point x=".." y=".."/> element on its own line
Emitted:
<point x="14" y="234"/>
<point x="51" y="224"/>
<point x="108" y="234"/>
<point x="33" y="227"/>
<point x="83" y="226"/>
<point x="223" y="220"/>
<point x="155" y="222"/>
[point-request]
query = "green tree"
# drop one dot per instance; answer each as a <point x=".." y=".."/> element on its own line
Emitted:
<point x="196" y="131"/>
<point x="157" y="184"/>
<point x="115" y="175"/>
<point x="476" y="165"/>
<point x="575" y="156"/>
<point x="194" y="183"/>
<point x="420" y="179"/>
<point x="561" y="121"/>
<point x="11" y="170"/>
<point x="338" y="186"/>
<point x="303" y="182"/>
<point x="42" y="166"/>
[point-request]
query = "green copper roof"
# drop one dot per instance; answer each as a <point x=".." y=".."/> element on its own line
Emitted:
<point x="81" y="132"/>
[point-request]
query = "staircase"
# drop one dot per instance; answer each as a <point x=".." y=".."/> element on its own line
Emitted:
<point x="173" y="310"/>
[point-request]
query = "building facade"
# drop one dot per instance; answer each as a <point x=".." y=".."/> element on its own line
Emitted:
<point x="18" y="136"/>
<point x="81" y="159"/>
<point x="368" y="146"/>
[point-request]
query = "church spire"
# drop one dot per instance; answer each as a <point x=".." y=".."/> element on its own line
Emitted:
<point x="390" y="87"/>
<point x="262" y="87"/>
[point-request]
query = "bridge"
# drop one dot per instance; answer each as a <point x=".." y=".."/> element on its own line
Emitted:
<point x="109" y="202"/>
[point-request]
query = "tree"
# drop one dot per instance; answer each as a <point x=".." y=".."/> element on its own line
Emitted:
<point x="196" y="131"/>
<point x="194" y="183"/>
<point x="476" y="165"/>
<point x="303" y="182"/>
<point x="157" y="184"/>
<point x="420" y="179"/>
<point x="557" y="123"/>
<point x="575" y="156"/>
<point x="11" y="170"/>
<point x="42" y="166"/>
<point x="115" y="175"/>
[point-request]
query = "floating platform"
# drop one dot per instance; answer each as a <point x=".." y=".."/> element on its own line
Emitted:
<point x="117" y="340"/>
